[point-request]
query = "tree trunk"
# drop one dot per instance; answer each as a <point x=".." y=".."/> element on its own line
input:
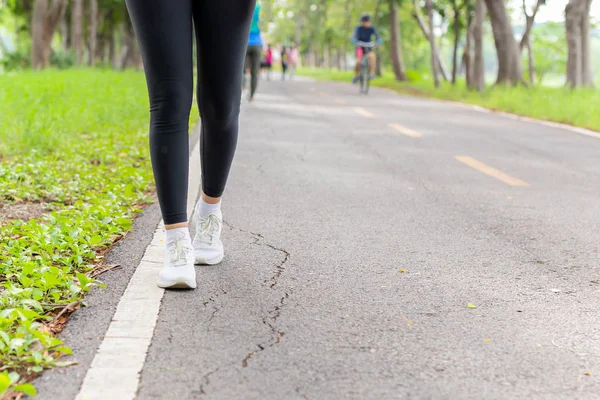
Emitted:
<point x="509" y="59"/>
<point x="456" y="10"/>
<point x="112" y="46"/>
<point x="64" y="32"/>
<point x="526" y="39"/>
<point x="93" y="31"/>
<point x="468" y="59"/>
<point x="573" y="23"/>
<point x="348" y="28"/>
<point x="77" y="30"/>
<point x="127" y="57"/>
<point x="530" y="19"/>
<point x="587" y="78"/>
<point x="395" y="43"/>
<point x="44" y="21"/>
<point x="478" y="65"/>
<point x="422" y="25"/>
<point x="378" y="22"/>
<point x="530" y="61"/>
<point x="432" y="42"/>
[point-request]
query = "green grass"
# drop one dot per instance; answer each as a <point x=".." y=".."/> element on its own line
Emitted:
<point x="75" y="142"/>
<point x="573" y="107"/>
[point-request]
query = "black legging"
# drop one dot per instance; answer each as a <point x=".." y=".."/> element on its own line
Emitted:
<point x="253" y="55"/>
<point x="164" y="32"/>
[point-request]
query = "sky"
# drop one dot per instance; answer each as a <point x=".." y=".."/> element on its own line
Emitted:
<point x="554" y="10"/>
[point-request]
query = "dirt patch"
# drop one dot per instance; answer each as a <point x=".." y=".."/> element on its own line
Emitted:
<point x="21" y="211"/>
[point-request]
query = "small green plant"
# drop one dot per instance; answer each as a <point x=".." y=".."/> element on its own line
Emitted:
<point x="15" y="61"/>
<point x="75" y="142"/>
<point x="62" y="59"/>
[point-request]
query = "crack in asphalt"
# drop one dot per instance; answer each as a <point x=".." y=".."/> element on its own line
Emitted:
<point x="216" y="309"/>
<point x="273" y="314"/>
<point x="206" y="381"/>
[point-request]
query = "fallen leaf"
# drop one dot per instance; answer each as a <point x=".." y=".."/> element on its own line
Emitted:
<point x="401" y="270"/>
<point x="487" y="340"/>
<point x="588" y="374"/>
<point x="469" y="305"/>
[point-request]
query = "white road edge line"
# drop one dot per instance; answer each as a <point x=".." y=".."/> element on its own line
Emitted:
<point x="516" y="117"/>
<point x="117" y="365"/>
<point x="557" y="125"/>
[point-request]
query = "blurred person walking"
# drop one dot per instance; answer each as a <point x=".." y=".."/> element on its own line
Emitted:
<point x="268" y="63"/>
<point x="293" y="60"/>
<point x="284" y="62"/>
<point x="254" y="51"/>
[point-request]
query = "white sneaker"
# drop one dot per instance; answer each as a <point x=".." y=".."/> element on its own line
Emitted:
<point x="208" y="248"/>
<point x="178" y="272"/>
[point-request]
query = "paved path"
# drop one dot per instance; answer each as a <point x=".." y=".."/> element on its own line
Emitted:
<point x="358" y="231"/>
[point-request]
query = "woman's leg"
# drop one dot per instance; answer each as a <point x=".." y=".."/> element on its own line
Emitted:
<point x="255" y="51"/>
<point x="164" y="31"/>
<point x="222" y="29"/>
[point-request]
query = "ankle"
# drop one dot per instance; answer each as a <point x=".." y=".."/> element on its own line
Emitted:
<point x="175" y="232"/>
<point x="204" y="208"/>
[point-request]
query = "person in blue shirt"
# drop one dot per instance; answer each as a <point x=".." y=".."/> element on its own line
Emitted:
<point x="254" y="52"/>
<point x="364" y="34"/>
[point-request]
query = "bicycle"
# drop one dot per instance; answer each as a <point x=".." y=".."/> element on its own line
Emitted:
<point x="363" y="76"/>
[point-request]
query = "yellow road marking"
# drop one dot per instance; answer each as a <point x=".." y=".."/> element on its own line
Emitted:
<point x="493" y="172"/>
<point x="340" y="101"/>
<point x="363" y="112"/>
<point x="405" y="131"/>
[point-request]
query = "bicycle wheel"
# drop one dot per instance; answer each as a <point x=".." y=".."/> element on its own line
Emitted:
<point x="361" y="78"/>
<point x="364" y="75"/>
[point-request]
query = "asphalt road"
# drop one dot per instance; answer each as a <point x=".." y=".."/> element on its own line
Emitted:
<point x="359" y="229"/>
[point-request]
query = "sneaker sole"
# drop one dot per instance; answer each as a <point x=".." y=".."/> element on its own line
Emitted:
<point x="213" y="261"/>
<point x="176" y="284"/>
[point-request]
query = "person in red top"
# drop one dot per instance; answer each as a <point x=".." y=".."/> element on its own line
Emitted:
<point x="268" y="63"/>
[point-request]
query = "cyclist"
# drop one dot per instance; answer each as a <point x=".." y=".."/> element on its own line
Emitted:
<point x="164" y="30"/>
<point x="363" y="34"/>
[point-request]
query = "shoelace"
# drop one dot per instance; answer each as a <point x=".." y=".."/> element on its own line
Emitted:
<point x="209" y="228"/>
<point x="178" y="252"/>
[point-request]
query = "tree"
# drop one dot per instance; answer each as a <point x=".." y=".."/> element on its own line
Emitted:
<point x="434" y="50"/>
<point x="577" y="25"/>
<point x="395" y="43"/>
<point x="478" y="79"/>
<point x="93" y="15"/>
<point x="441" y="68"/>
<point x="551" y="50"/>
<point x="44" y="21"/>
<point x="526" y="39"/>
<point x="457" y="25"/>
<point x="467" y="54"/>
<point x="509" y="60"/>
<point x="77" y="30"/>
